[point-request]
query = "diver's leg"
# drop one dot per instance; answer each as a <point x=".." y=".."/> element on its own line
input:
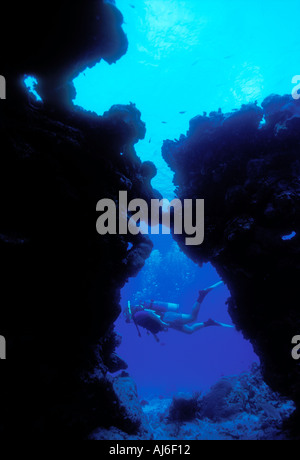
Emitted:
<point x="179" y="319"/>
<point x="212" y="322"/>
<point x="191" y="329"/>
<point x="186" y="318"/>
<point x="194" y="313"/>
<point x="175" y="319"/>
<point x="196" y="307"/>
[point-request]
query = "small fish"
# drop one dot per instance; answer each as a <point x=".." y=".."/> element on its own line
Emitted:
<point x="149" y="140"/>
<point x="195" y="62"/>
<point x="132" y="6"/>
<point x="164" y="122"/>
<point x="181" y="113"/>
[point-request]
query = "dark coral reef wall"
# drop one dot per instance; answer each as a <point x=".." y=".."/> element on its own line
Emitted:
<point x="60" y="280"/>
<point x="246" y="166"/>
<point x="54" y="41"/>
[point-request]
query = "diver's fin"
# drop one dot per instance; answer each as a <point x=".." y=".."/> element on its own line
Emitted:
<point x="223" y="324"/>
<point x="203" y="292"/>
<point x="213" y="322"/>
<point x="215" y="285"/>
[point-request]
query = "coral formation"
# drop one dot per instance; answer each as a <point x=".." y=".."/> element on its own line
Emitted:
<point x="184" y="407"/>
<point x="236" y="407"/>
<point x="245" y="165"/>
<point x="56" y="41"/>
<point x="61" y="280"/>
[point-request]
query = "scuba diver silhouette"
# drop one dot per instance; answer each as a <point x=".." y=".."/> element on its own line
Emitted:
<point x="159" y="316"/>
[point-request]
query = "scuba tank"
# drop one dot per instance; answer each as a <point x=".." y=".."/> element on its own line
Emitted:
<point x="148" y="320"/>
<point x="161" y="306"/>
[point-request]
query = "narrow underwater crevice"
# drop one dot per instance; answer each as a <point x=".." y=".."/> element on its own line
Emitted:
<point x="177" y="361"/>
<point x="61" y="282"/>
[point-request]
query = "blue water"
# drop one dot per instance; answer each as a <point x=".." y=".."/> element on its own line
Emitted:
<point x="31" y="83"/>
<point x="186" y="57"/>
<point x="193" y="56"/>
<point x="180" y="362"/>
